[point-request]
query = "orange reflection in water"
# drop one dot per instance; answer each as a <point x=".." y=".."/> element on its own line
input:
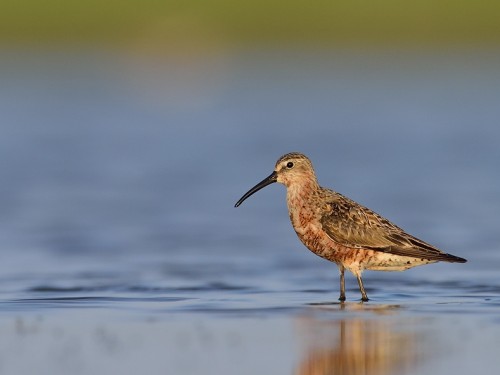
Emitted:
<point x="377" y="344"/>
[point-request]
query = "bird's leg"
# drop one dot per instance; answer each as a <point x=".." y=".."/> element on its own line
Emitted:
<point x="364" y="297"/>
<point x="342" y="283"/>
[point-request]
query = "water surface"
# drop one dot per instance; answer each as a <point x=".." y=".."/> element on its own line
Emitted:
<point x="122" y="252"/>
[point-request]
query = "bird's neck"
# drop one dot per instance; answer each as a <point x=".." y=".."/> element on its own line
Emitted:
<point x="299" y="193"/>
<point x="301" y="206"/>
<point x="302" y="184"/>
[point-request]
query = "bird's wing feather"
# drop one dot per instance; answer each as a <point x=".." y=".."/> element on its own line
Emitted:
<point x="352" y="225"/>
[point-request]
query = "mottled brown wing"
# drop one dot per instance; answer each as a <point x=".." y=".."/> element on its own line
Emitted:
<point x="352" y="225"/>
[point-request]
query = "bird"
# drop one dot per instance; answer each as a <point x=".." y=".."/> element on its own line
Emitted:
<point x="343" y="231"/>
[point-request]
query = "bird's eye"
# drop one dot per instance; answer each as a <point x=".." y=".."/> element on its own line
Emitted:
<point x="289" y="165"/>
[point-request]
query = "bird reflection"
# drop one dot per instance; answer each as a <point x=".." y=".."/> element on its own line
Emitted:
<point x="356" y="346"/>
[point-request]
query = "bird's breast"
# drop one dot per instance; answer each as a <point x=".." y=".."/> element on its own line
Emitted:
<point x="301" y="211"/>
<point x="305" y="214"/>
<point x="305" y="217"/>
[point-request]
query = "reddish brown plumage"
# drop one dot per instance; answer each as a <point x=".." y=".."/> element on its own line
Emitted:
<point x="342" y="231"/>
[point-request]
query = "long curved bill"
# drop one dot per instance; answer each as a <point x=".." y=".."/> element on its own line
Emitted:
<point x="267" y="181"/>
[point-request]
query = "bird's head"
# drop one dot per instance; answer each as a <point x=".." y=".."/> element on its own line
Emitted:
<point x="290" y="169"/>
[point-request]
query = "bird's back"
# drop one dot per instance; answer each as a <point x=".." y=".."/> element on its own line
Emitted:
<point x="352" y="225"/>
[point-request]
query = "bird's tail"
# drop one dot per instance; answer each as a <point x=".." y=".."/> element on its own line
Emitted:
<point x="453" y="259"/>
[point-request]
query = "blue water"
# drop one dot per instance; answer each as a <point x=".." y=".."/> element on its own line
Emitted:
<point x="122" y="252"/>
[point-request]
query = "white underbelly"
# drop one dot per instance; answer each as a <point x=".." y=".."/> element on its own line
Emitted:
<point x="391" y="262"/>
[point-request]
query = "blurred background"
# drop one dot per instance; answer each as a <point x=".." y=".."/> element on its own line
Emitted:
<point x="128" y="130"/>
<point x="137" y="124"/>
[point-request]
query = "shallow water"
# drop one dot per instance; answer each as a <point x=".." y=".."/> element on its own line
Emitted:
<point x="122" y="252"/>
